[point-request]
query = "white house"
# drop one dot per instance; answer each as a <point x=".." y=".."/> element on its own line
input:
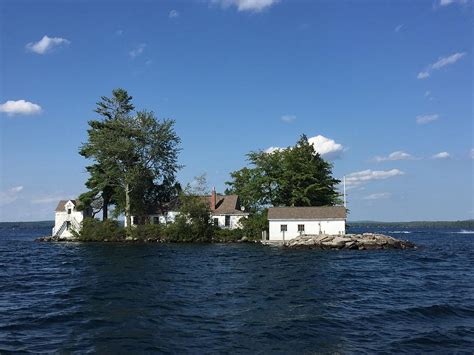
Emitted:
<point x="226" y="212"/>
<point x="68" y="218"/>
<point x="289" y="222"/>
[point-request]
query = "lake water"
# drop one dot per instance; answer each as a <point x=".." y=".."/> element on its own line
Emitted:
<point x="243" y="298"/>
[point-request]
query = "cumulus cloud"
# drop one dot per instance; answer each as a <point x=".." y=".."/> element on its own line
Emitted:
<point x="46" y="44"/>
<point x="288" y="118"/>
<point x="365" y="176"/>
<point x="10" y="195"/>
<point x="326" y="147"/>
<point x="271" y="150"/>
<point x="378" y="196"/>
<point x="398" y="28"/>
<point x="425" y="119"/>
<point x="173" y="14"/>
<point x="440" y="63"/>
<point x="138" y="50"/>
<point x="247" y="5"/>
<point x="441" y="155"/>
<point x="20" y="107"/>
<point x="398" y="155"/>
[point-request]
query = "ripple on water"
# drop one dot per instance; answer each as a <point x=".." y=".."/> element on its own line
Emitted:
<point x="239" y="298"/>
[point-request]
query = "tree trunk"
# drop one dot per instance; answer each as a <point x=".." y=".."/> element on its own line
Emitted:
<point x="127" y="207"/>
<point x="105" y="208"/>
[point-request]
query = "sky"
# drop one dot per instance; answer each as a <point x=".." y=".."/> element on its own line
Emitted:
<point x="383" y="89"/>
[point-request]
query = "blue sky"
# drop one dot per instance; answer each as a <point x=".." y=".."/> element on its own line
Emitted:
<point x="383" y="88"/>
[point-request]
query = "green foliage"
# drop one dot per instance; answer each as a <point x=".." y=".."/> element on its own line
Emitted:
<point x="135" y="157"/>
<point x="95" y="230"/>
<point x="295" y="176"/>
<point x="227" y="235"/>
<point x="148" y="231"/>
<point x="253" y="226"/>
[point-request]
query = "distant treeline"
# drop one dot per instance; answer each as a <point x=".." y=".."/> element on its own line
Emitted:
<point x="37" y="224"/>
<point x="467" y="224"/>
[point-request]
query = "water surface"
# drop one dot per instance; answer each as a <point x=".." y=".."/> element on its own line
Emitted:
<point x="236" y="297"/>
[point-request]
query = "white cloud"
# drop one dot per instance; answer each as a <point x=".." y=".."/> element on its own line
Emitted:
<point x="398" y="28"/>
<point x="20" y="107"/>
<point x="425" y="119"/>
<point x="138" y="50"/>
<point x="427" y="93"/>
<point x="423" y="75"/>
<point x="398" y="155"/>
<point x="365" y="176"/>
<point x="288" y="118"/>
<point x="247" y="5"/>
<point x="378" y="196"/>
<point x="270" y="150"/>
<point x="441" y="155"/>
<point x="471" y="153"/>
<point x="440" y="63"/>
<point x="46" y="44"/>
<point x="10" y="195"/>
<point x="326" y="147"/>
<point x="173" y="14"/>
<point x="449" y="2"/>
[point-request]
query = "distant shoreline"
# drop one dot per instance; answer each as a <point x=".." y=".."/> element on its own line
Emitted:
<point x="463" y="224"/>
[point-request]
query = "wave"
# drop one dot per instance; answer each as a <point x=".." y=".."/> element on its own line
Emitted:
<point x="399" y="232"/>
<point x="464" y="231"/>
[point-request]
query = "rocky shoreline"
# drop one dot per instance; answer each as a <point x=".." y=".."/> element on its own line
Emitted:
<point x="366" y="241"/>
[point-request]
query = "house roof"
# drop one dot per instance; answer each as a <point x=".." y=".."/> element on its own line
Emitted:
<point x="62" y="204"/>
<point x="226" y="204"/>
<point x="326" y="212"/>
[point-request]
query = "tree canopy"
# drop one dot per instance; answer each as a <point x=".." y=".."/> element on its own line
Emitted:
<point x="135" y="157"/>
<point x="295" y="176"/>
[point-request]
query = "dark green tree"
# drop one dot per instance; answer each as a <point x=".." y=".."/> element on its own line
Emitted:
<point x="133" y="152"/>
<point x="295" y="176"/>
<point x="102" y="187"/>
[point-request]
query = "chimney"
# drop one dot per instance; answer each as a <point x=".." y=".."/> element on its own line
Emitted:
<point x="213" y="199"/>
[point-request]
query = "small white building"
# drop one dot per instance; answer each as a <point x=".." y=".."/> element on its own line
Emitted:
<point x="286" y="223"/>
<point x="226" y="212"/>
<point x="68" y="218"/>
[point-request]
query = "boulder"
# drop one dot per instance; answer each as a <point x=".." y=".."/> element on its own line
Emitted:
<point x="366" y="241"/>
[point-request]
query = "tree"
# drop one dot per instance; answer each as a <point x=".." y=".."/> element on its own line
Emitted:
<point x="131" y="151"/>
<point x="295" y="176"/>
<point x="101" y="185"/>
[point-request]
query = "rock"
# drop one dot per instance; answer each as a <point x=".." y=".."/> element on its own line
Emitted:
<point x="366" y="241"/>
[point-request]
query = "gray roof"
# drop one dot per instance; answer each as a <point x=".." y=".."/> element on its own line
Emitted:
<point x="226" y="204"/>
<point x="62" y="204"/>
<point x="326" y="212"/>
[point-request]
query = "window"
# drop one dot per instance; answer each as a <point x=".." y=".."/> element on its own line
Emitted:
<point x="68" y="211"/>
<point x="156" y="220"/>
<point x="68" y="225"/>
<point x="135" y="220"/>
<point x="216" y="222"/>
<point x="300" y="227"/>
<point x="227" y="221"/>
<point x="283" y="228"/>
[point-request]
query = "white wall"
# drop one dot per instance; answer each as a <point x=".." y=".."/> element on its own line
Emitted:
<point x="76" y="218"/>
<point x="332" y="227"/>
<point x="234" y="221"/>
<point x="171" y="216"/>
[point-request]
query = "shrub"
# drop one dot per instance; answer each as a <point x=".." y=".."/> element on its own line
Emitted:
<point x="227" y="235"/>
<point x="95" y="230"/>
<point x="147" y="231"/>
